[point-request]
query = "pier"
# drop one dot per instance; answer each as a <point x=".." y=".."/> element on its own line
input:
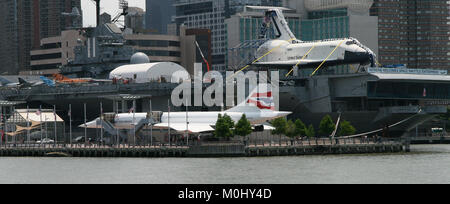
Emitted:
<point x="430" y="140"/>
<point x="217" y="149"/>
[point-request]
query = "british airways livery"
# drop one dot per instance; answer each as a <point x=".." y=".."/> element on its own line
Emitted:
<point x="259" y="108"/>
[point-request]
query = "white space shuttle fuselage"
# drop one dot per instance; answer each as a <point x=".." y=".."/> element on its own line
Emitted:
<point x="287" y="51"/>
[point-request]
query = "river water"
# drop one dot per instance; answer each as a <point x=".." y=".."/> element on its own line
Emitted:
<point x="425" y="164"/>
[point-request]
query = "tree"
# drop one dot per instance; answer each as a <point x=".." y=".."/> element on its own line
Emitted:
<point x="290" y="129"/>
<point x="445" y="118"/>
<point x="326" y="126"/>
<point x="280" y="127"/>
<point x="300" y="128"/>
<point x="243" y="127"/>
<point x="346" y="129"/>
<point x="310" y="132"/>
<point x="224" y="127"/>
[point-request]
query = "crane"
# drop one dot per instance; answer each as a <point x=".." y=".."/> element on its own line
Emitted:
<point x="123" y="4"/>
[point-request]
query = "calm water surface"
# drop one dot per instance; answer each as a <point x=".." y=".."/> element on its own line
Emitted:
<point x="426" y="164"/>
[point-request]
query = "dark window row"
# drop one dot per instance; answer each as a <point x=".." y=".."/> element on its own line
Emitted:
<point x="47" y="66"/>
<point x="191" y="9"/>
<point x="408" y="90"/>
<point x="46" y="56"/>
<point x="153" y="43"/>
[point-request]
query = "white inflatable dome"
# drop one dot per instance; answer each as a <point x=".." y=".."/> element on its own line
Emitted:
<point x="139" y="58"/>
<point x="359" y="6"/>
<point x="151" y="72"/>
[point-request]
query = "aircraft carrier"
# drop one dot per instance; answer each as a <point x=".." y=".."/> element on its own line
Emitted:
<point x="369" y="98"/>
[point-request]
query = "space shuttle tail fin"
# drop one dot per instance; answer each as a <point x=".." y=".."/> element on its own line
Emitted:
<point x="280" y="25"/>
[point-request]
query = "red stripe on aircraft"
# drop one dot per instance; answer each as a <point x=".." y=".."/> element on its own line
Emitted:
<point x="260" y="105"/>
<point x="257" y="95"/>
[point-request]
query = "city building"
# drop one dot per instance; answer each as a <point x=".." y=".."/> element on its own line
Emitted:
<point x="25" y="23"/>
<point x="54" y="52"/>
<point x="211" y="14"/>
<point x="179" y="49"/>
<point x="51" y="21"/>
<point x="159" y="15"/>
<point x="16" y="32"/>
<point x="414" y="32"/>
<point x="135" y="19"/>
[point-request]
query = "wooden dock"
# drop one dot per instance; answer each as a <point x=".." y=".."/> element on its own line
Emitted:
<point x="431" y="140"/>
<point x="95" y="151"/>
<point x="206" y="150"/>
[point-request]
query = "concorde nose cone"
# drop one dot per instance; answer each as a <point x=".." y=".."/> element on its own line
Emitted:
<point x="92" y="124"/>
<point x="284" y="113"/>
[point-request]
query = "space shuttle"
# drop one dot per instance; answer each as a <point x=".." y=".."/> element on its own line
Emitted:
<point x="259" y="108"/>
<point x="286" y="51"/>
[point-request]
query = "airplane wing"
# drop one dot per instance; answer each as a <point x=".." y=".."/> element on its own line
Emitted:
<point x="291" y="62"/>
<point x="197" y="128"/>
<point x="192" y="128"/>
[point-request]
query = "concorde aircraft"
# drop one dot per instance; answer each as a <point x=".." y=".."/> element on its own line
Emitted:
<point x="286" y="51"/>
<point x="258" y="107"/>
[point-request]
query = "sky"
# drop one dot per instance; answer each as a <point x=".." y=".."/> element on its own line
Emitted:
<point x="109" y="6"/>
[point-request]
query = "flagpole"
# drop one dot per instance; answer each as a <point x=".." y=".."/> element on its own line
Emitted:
<point x="151" y="125"/>
<point x="14" y="123"/>
<point x="85" y="126"/>
<point x="187" y="124"/>
<point x="168" y="121"/>
<point x="117" y="129"/>
<point x="134" y="123"/>
<point x="6" y="126"/>
<point x="28" y="125"/>
<point x="70" y="124"/>
<point x="40" y="121"/>
<point x="56" y="132"/>
<point x="3" y="131"/>
<point x="101" y="120"/>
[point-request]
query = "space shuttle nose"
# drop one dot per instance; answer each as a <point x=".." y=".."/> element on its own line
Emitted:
<point x="363" y="58"/>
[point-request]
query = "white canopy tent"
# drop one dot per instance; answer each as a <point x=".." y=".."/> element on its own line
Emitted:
<point x="151" y="72"/>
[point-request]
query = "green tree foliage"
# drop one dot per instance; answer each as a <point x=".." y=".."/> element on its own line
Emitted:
<point x="229" y="121"/>
<point x="326" y="126"/>
<point x="243" y="127"/>
<point x="310" y="132"/>
<point x="280" y="126"/>
<point x="300" y="128"/>
<point x="346" y="129"/>
<point x="446" y="119"/>
<point x="291" y="129"/>
<point x="224" y="127"/>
